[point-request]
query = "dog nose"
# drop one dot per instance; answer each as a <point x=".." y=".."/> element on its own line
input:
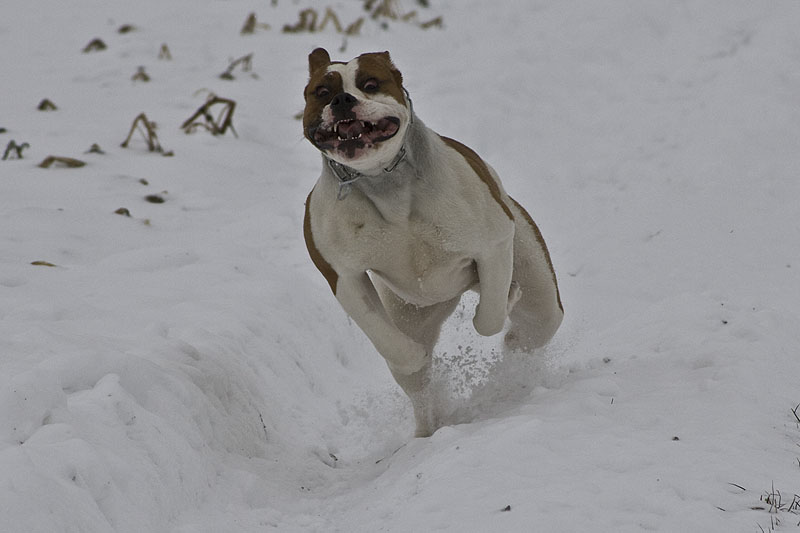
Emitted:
<point x="343" y="102"/>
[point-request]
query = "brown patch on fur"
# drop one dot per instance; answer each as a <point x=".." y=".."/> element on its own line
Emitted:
<point x="312" y="115"/>
<point x="316" y="257"/>
<point x="317" y="59"/>
<point x="379" y="66"/>
<point x="480" y="168"/>
<point x="540" y="240"/>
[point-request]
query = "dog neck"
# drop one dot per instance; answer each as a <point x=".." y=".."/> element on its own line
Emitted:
<point x="347" y="176"/>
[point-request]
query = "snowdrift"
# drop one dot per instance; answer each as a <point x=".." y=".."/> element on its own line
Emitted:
<point x="180" y="366"/>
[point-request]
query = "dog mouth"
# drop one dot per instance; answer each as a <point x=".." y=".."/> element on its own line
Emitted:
<point x="352" y="137"/>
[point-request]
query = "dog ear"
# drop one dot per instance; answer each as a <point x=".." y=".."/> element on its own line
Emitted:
<point x="317" y="59"/>
<point x="398" y="78"/>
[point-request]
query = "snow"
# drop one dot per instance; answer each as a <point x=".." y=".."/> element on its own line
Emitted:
<point x="186" y="369"/>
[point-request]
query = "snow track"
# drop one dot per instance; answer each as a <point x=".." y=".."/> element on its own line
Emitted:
<point x="185" y="368"/>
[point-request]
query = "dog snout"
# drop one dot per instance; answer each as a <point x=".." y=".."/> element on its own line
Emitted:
<point x="342" y="105"/>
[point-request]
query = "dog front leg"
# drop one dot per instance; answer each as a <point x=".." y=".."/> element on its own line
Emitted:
<point x="497" y="292"/>
<point x="360" y="300"/>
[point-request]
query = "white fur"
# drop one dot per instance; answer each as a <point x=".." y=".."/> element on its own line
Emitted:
<point x="370" y="108"/>
<point x="406" y="245"/>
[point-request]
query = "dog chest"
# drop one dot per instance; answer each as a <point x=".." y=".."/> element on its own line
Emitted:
<point x="421" y="261"/>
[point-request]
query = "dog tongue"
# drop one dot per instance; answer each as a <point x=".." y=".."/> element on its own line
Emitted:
<point x="351" y="129"/>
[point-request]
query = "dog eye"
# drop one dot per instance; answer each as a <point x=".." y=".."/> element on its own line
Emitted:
<point x="322" y="91"/>
<point x="371" y="85"/>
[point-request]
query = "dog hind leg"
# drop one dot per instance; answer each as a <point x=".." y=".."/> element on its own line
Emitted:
<point x="538" y="313"/>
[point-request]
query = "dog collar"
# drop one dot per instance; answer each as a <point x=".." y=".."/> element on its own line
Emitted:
<point x="348" y="175"/>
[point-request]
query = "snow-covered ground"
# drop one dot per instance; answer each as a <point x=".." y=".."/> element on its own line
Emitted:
<point x="186" y="369"/>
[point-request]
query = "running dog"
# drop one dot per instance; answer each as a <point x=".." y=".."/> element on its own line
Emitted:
<point x="403" y="221"/>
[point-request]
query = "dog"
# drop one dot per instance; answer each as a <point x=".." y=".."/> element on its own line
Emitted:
<point x="403" y="221"/>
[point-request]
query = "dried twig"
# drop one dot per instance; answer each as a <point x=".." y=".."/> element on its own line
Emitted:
<point x="794" y="412"/>
<point x="330" y="16"/>
<point x="355" y="27"/>
<point x="307" y="22"/>
<point x="410" y="16"/>
<point x="385" y="9"/>
<point x="155" y="198"/>
<point x="140" y="75"/>
<point x="148" y="131"/>
<point x="202" y="118"/>
<point x="17" y="149"/>
<point x="251" y="24"/>
<point x="95" y="45"/>
<point x="389" y="9"/>
<point x="61" y="161"/>
<point x="46" y="105"/>
<point x="437" y="22"/>
<point x="246" y="63"/>
<point x="794" y="507"/>
<point x="377" y="9"/>
<point x="164" y="52"/>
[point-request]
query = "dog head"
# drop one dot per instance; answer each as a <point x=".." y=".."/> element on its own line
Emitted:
<point x="356" y="113"/>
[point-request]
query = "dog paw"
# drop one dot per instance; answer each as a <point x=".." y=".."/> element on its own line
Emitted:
<point x="514" y="294"/>
<point x="485" y="327"/>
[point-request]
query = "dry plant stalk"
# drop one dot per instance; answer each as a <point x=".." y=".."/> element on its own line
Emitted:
<point x="251" y="24"/>
<point x="355" y="27"/>
<point x="14" y="148"/>
<point x="330" y="16"/>
<point x="385" y="9"/>
<point x="148" y="131"/>
<point x="95" y="45"/>
<point x="140" y="75"/>
<point x="377" y="9"/>
<point x="389" y="9"/>
<point x="61" y="161"/>
<point x="155" y="198"/>
<point x="436" y="22"/>
<point x="164" y="52"/>
<point x="245" y="61"/>
<point x="46" y="105"/>
<point x="202" y="118"/>
<point x="308" y="22"/>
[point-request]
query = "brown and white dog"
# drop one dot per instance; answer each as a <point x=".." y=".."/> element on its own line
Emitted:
<point x="403" y="221"/>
